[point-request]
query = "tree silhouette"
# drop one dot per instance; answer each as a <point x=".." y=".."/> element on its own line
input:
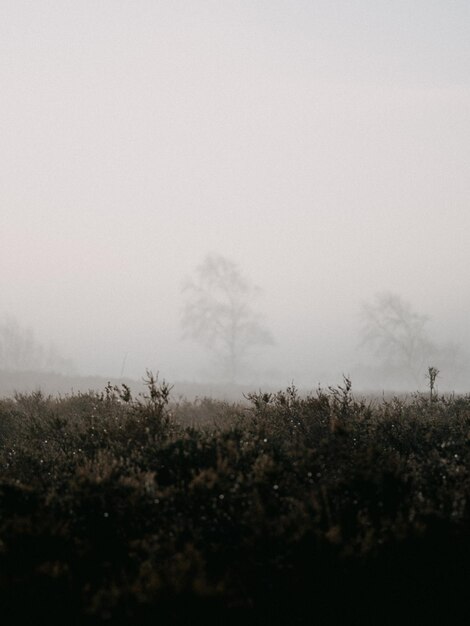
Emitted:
<point x="20" y="351"/>
<point x="398" y="335"/>
<point x="219" y="314"/>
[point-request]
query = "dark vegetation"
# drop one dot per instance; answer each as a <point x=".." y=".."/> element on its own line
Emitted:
<point x="279" y="509"/>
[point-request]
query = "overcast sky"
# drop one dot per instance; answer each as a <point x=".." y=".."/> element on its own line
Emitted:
<point x="322" y="145"/>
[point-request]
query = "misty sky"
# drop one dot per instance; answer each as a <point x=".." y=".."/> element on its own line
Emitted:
<point x="322" y="145"/>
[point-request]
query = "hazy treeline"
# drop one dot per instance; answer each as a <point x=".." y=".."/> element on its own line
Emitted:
<point x="395" y="346"/>
<point x="219" y="315"/>
<point x="21" y="351"/>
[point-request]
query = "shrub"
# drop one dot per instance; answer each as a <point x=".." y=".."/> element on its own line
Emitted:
<point x="137" y="510"/>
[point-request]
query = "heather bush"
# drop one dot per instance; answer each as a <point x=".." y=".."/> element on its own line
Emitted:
<point x="285" y="507"/>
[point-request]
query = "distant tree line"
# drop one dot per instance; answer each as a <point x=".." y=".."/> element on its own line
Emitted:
<point x="20" y="351"/>
<point x="220" y="314"/>
<point x="399" y="338"/>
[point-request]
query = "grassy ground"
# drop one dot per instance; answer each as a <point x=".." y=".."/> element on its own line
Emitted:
<point x="283" y="509"/>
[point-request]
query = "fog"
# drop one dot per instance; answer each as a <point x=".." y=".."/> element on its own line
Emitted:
<point x="323" y="146"/>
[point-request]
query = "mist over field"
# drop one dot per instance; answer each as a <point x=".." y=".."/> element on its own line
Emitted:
<point x="234" y="312"/>
<point x="322" y="147"/>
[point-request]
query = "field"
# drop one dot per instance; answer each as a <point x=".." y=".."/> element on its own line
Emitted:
<point x="280" y="508"/>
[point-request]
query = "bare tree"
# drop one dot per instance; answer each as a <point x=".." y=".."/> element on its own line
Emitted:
<point x="398" y="335"/>
<point x="20" y="351"/>
<point x="219" y="314"/>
